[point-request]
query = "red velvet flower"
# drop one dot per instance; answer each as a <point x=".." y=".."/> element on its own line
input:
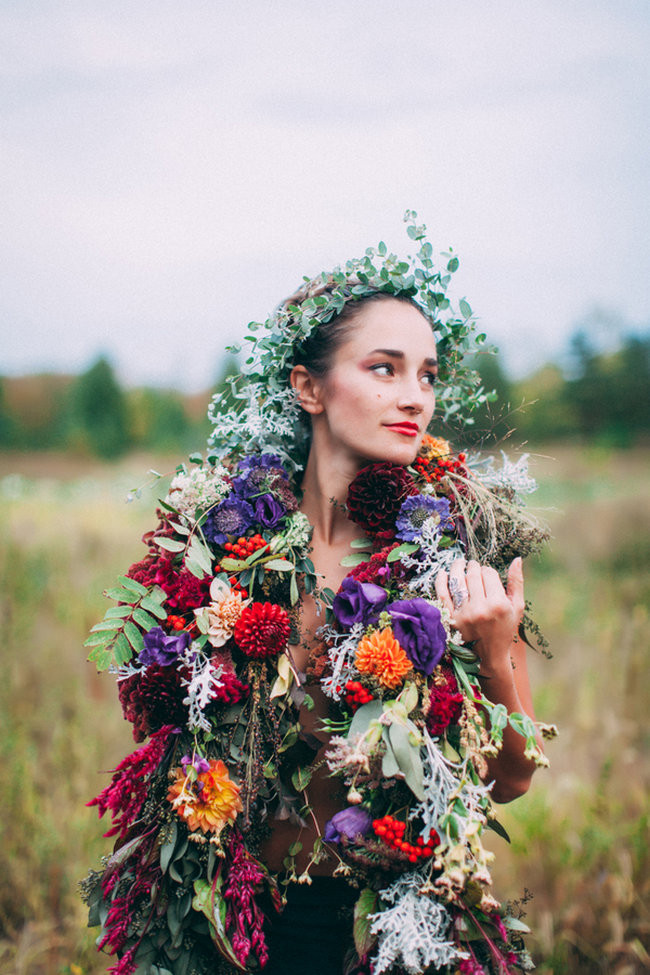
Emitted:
<point x="376" y="495"/>
<point x="446" y="703"/>
<point x="262" y="630"/>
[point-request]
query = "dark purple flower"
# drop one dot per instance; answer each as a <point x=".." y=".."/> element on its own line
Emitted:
<point x="417" y="509"/>
<point x="357" y="602"/>
<point x="161" y="648"/>
<point x="233" y="516"/>
<point x="350" y="822"/>
<point x="268" y="511"/>
<point x="419" y="631"/>
<point x="252" y="461"/>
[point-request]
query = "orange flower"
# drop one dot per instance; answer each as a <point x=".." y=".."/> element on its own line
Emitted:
<point x="208" y="808"/>
<point x="382" y="656"/>
<point x="434" y="447"/>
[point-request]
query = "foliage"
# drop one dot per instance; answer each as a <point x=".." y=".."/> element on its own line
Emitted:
<point x="98" y="411"/>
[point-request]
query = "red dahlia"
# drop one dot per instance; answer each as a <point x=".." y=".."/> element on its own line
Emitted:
<point x="376" y="495"/>
<point x="262" y="630"/>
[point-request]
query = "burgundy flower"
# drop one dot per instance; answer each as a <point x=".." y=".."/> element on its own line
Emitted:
<point x="377" y="569"/>
<point x="184" y="591"/>
<point x="262" y="630"/>
<point x="446" y="704"/>
<point x="153" y="698"/>
<point x="376" y="495"/>
<point x="128" y="787"/>
<point x="244" y="918"/>
<point x="231" y="690"/>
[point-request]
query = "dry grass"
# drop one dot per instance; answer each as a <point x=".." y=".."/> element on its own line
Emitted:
<point x="580" y="837"/>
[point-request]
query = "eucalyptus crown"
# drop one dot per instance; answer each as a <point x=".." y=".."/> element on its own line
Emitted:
<point x="258" y="409"/>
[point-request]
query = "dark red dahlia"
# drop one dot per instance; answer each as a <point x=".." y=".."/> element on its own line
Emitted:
<point x="446" y="703"/>
<point x="262" y="630"/>
<point x="376" y="495"/>
<point x="153" y="698"/>
<point x="184" y="591"/>
<point x="231" y="689"/>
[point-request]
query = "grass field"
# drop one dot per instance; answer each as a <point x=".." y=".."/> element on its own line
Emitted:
<point x="580" y="838"/>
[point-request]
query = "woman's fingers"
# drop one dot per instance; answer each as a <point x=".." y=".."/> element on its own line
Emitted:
<point x="515" y="587"/>
<point x="442" y="590"/>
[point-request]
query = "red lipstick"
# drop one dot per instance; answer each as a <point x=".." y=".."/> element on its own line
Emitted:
<point x="405" y="428"/>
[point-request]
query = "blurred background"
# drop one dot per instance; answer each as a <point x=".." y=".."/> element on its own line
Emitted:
<point x="169" y="173"/>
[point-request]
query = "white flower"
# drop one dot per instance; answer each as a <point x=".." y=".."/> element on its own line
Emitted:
<point x="219" y="619"/>
<point x="198" y="489"/>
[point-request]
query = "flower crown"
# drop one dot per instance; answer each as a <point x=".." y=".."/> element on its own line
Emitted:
<point x="258" y="410"/>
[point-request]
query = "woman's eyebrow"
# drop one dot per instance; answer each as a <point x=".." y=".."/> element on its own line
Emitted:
<point x="396" y="354"/>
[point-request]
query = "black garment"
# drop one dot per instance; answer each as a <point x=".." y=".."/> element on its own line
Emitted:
<point x="314" y="931"/>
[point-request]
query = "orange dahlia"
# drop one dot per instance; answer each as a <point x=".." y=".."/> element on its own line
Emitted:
<point x="207" y="803"/>
<point x="434" y="447"/>
<point x="262" y="630"/>
<point x="381" y="656"/>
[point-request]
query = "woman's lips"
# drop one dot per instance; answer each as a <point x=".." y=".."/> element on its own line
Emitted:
<point x="408" y="429"/>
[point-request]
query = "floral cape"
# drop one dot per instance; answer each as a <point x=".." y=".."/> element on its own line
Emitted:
<point x="200" y="641"/>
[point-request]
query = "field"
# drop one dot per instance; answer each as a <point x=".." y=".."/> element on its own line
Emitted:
<point x="580" y="838"/>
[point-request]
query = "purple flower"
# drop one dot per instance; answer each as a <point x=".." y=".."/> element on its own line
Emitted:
<point x="417" y="509"/>
<point x="252" y="461"/>
<point x="419" y="630"/>
<point x="357" y="602"/>
<point x="200" y="764"/>
<point x="161" y="649"/>
<point x="233" y="516"/>
<point x="351" y="822"/>
<point x="268" y="511"/>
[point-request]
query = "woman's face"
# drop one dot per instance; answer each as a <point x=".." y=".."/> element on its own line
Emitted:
<point x="378" y="398"/>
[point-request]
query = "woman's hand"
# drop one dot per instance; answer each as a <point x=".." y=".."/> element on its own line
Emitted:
<point x="483" y="611"/>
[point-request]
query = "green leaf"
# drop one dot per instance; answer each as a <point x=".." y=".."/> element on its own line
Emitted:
<point x="150" y="604"/>
<point x="232" y="565"/>
<point x="170" y="544"/>
<point x="301" y="778"/>
<point x="364" y="907"/>
<point x="465" y="308"/>
<point x="354" y="559"/>
<point x="121" y="650"/>
<point x="98" y="639"/>
<point x="408" y="759"/>
<point x="363" y="716"/>
<point x="294" y="595"/>
<point x="118" y="612"/>
<point x="167" y="849"/>
<point x="133" y="635"/>
<point x="363" y="543"/>
<point x="198" y="553"/>
<point x="389" y="765"/>
<point x="144" y="620"/>
<point x="278" y="565"/>
<point x="106" y="625"/>
<point x="120" y="595"/>
<point x="404" y="549"/>
<point x="452" y="265"/>
<point x="132" y="584"/>
<point x="208" y="903"/>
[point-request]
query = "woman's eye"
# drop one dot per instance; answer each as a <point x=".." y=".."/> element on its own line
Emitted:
<point x="383" y="368"/>
<point x="431" y="378"/>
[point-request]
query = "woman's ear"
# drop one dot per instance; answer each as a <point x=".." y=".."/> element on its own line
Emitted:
<point x="308" y="389"/>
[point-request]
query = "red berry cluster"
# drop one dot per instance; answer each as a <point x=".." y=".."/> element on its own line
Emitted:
<point x="180" y="623"/>
<point x="244" y="547"/>
<point x="236" y="585"/>
<point x="444" y="466"/>
<point x="356" y="694"/>
<point x="392" y="830"/>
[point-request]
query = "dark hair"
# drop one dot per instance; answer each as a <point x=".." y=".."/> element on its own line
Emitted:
<point x="317" y="352"/>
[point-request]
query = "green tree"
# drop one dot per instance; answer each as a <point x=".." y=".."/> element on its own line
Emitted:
<point x="99" y="413"/>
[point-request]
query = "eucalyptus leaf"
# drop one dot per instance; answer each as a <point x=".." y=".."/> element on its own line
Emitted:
<point x="170" y="544"/>
<point x="364" y="907"/>
<point x="278" y="565"/>
<point x="408" y="758"/>
<point x="354" y="559"/>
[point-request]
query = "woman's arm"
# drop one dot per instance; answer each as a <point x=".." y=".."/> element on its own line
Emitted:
<point x="489" y="615"/>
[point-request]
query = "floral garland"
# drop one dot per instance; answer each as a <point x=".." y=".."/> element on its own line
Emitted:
<point x="200" y="640"/>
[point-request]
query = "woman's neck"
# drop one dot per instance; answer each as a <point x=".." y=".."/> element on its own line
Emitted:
<point x="324" y="493"/>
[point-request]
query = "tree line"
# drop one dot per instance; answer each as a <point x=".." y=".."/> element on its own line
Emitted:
<point x="596" y="395"/>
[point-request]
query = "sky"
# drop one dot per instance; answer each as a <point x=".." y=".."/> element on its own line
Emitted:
<point x="169" y="172"/>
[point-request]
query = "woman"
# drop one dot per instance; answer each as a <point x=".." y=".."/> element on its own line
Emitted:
<point x="258" y="792"/>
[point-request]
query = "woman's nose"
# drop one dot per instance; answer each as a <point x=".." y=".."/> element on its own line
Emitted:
<point x="412" y="395"/>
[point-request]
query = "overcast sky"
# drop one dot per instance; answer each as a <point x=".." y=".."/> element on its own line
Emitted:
<point x="170" y="170"/>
